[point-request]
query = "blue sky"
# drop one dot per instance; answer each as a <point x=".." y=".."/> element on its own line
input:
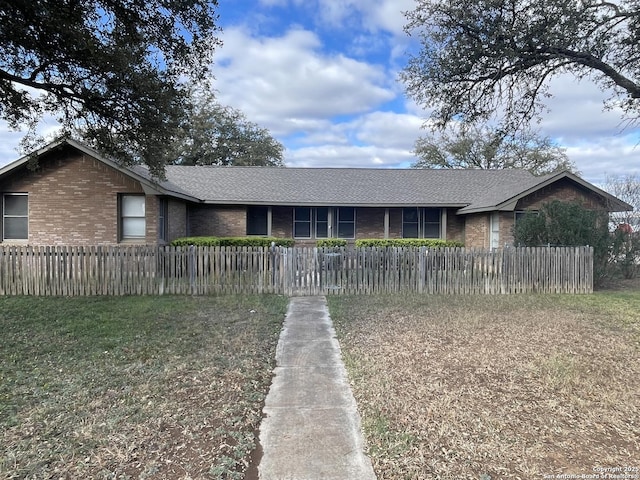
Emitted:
<point x="322" y="76"/>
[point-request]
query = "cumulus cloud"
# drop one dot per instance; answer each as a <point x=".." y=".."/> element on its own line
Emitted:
<point x="345" y="156"/>
<point x="289" y="78"/>
<point x="606" y="156"/>
<point x="576" y="110"/>
<point x="385" y="15"/>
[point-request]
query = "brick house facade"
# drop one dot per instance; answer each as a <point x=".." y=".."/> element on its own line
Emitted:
<point x="74" y="196"/>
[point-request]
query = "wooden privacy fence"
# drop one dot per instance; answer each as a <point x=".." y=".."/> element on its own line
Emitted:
<point x="140" y="270"/>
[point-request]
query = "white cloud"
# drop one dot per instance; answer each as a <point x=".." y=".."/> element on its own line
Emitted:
<point x="8" y="145"/>
<point x="576" y="111"/>
<point x="390" y="129"/>
<point x="385" y="15"/>
<point x="606" y="156"/>
<point x="283" y="81"/>
<point x="348" y="156"/>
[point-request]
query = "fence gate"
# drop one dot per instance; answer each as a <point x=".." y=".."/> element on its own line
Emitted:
<point x="301" y="270"/>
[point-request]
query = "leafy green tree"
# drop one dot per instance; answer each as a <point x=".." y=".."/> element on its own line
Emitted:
<point x="479" y="57"/>
<point x="568" y="224"/>
<point x="214" y="134"/>
<point x="114" y="68"/>
<point x="478" y="147"/>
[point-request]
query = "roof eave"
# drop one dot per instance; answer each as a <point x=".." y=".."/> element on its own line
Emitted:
<point x="330" y="204"/>
<point x="148" y="185"/>
<point x="509" y="205"/>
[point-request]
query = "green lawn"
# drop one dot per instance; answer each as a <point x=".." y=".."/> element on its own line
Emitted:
<point x="134" y="387"/>
<point x="504" y="387"/>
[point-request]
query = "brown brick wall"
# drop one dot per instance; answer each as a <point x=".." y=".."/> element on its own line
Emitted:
<point x="476" y="232"/>
<point x="507" y="221"/>
<point x="369" y="223"/>
<point x="564" y="190"/>
<point x="455" y="226"/>
<point x="282" y="222"/>
<point x="395" y="223"/>
<point x="177" y="219"/>
<point x="73" y="200"/>
<point x="217" y="221"/>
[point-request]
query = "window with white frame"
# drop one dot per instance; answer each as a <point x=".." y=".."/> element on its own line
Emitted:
<point x="15" y="216"/>
<point x="132" y="217"/>
<point x="421" y="222"/>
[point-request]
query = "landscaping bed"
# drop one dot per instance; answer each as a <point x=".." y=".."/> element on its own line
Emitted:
<point x="134" y="387"/>
<point x="495" y="387"/>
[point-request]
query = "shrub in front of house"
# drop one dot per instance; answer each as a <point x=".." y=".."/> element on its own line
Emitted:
<point x="232" y="242"/>
<point x="331" y="243"/>
<point x="408" y="242"/>
<point x="196" y="241"/>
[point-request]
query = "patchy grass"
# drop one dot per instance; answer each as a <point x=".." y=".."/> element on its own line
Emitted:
<point x="134" y="387"/>
<point x="504" y="387"/>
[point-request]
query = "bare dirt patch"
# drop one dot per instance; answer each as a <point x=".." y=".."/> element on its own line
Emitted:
<point x="136" y="387"/>
<point x="513" y="387"/>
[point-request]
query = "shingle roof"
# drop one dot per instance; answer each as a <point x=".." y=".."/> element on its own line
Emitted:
<point x="471" y="190"/>
<point x="347" y="186"/>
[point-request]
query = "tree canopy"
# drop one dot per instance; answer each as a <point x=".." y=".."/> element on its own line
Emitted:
<point x="483" y="148"/>
<point x="479" y="58"/>
<point x="215" y="134"/>
<point x="115" y="68"/>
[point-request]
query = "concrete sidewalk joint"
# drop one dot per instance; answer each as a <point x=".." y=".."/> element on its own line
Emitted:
<point x="311" y="429"/>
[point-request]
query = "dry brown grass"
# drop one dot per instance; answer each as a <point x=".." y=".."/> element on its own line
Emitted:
<point x="134" y="387"/>
<point x="511" y="387"/>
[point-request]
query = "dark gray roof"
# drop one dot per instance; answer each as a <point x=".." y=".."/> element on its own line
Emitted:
<point x="347" y="186"/>
<point x="470" y="190"/>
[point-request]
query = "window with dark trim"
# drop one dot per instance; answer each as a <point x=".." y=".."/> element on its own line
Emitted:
<point x="132" y="217"/>
<point x="258" y="220"/>
<point x="302" y="222"/>
<point x="324" y="222"/>
<point x="346" y="222"/>
<point x="421" y="222"/>
<point x="520" y="214"/>
<point x="163" y="219"/>
<point x="15" y="216"/>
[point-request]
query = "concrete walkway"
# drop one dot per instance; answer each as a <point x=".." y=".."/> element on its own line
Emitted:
<point x="311" y="429"/>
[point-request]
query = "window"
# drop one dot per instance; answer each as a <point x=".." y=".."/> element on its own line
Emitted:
<point x="324" y="222"/>
<point x="520" y="214"/>
<point x="410" y="223"/>
<point x="431" y="217"/>
<point x="163" y="219"/>
<point x="15" y="216"/>
<point x="302" y="222"/>
<point x="258" y="221"/>
<point x="132" y="217"/>
<point x="418" y="222"/>
<point x="346" y="222"/>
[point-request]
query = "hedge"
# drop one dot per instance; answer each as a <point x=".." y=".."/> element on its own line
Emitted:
<point x="408" y="242"/>
<point x="331" y="242"/>
<point x="232" y="242"/>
